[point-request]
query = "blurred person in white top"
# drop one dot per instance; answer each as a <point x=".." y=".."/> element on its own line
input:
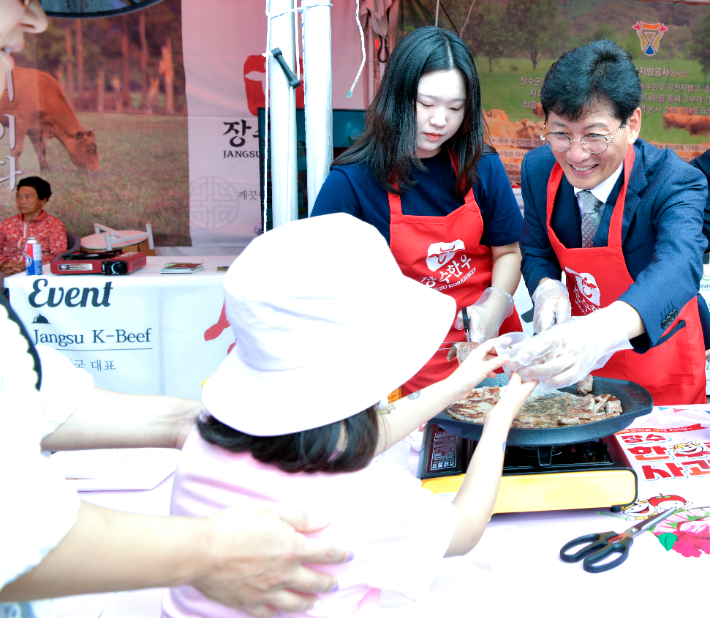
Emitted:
<point x="54" y="545"/>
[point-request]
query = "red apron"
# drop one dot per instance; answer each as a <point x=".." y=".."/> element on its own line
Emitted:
<point x="444" y="253"/>
<point x="674" y="371"/>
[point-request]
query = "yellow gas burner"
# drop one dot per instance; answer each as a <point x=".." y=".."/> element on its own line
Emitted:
<point x="580" y="476"/>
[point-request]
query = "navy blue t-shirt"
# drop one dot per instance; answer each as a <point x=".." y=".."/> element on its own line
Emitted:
<point x="353" y="189"/>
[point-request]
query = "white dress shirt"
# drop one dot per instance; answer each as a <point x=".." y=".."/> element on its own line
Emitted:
<point x="601" y="191"/>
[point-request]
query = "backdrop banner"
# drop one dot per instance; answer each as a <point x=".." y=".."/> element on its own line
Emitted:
<point x="151" y="117"/>
<point x="516" y="41"/>
<point x="97" y="108"/>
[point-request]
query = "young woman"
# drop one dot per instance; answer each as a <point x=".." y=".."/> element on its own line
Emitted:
<point x="422" y="175"/>
<point x="294" y="417"/>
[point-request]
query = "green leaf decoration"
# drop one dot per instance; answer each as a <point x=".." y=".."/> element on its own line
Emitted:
<point x="668" y="540"/>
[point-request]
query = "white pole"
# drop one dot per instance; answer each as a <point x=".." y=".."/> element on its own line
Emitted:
<point x="284" y="179"/>
<point x="318" y="95"/>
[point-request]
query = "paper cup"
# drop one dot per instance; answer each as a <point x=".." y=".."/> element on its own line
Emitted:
<point x="510" y="344"/>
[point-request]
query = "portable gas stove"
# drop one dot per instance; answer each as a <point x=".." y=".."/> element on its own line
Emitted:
<point x="545" y="469"/>
<point x="594" y="474"/>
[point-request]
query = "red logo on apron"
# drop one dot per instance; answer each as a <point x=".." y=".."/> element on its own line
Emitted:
<point x="586" y="291"/>
<point x="441" y="253"/>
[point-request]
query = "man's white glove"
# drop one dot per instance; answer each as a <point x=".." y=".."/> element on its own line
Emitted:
<point x="487" y="314"/>
<point x="552" y="304"/>
<point x="567" y="352"/>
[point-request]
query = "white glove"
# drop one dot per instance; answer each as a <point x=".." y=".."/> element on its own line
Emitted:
<point x="487" y="314"/>
<point x="552" y="304"/>
<point x="568" y="352"/>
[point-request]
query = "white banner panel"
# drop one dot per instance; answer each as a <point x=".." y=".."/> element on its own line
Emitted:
<point x="146" y="333"/>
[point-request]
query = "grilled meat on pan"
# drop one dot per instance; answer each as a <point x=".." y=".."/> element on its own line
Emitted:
<point x="553" y="409"/>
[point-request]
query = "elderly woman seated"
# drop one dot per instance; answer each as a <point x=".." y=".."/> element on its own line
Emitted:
<point x="31" y="222"/>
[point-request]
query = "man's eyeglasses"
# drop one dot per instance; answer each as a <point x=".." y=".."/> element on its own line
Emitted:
<point x="592" y="143"/>
<point x="24" y="197"/>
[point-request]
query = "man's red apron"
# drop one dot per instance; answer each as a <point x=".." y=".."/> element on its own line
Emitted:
<point x="673" y="372"/>
<point x="444" y="253"/>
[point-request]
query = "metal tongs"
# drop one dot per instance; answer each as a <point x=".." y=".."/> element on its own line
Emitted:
<point x="466" y="327"/>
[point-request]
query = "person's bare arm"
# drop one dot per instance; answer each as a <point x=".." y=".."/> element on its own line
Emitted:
<point x="114" y="420"/>
<point x="506" y="268"/>
<point x="400" y="418"/>
<point x="475" y="500"/>
<point x="249" y="558"/>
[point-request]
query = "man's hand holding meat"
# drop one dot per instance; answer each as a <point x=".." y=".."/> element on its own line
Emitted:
<point x="552" y="305"/>
<point x="567" y="352"/>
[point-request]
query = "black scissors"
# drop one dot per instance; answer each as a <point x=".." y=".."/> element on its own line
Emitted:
<point x="599" y="546"/>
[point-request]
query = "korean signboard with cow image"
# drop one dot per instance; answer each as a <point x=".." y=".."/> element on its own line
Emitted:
<point x="516" y="41"/>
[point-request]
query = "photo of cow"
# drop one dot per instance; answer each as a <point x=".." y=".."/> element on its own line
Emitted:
<point x="98" y="108"/>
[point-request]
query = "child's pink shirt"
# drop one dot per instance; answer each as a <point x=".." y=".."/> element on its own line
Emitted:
<point x="397" y="531"/>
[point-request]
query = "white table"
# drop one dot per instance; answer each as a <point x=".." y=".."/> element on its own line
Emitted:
<point x="143" y="333"/>
<point x="515" y="569"/>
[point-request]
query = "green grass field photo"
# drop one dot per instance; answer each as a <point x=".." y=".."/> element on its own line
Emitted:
<point x="502" y="89"/>
<point x="144" y="177"/>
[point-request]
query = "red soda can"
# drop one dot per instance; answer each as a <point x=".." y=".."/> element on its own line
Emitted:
<point x="33" y="257"/>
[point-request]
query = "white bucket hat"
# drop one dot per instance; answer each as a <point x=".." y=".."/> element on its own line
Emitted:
<point x="326" y="326"/>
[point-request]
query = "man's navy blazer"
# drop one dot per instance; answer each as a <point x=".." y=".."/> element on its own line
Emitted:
<point x="662" y="231"/>
<point x="703" y="164"/>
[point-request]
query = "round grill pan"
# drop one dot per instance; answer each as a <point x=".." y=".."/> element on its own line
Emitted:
<point x="635" y="401"/>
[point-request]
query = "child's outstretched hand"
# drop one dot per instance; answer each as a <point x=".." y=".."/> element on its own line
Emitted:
<point x="515" y="396"/>
<point x="478" y="365"/>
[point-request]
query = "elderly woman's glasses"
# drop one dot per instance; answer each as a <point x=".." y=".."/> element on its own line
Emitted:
<point x="592" y="143"/>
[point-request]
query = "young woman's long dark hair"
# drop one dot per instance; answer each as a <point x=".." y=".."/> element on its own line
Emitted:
<point x="313" y="450"/>
<point x="389" y="144"/>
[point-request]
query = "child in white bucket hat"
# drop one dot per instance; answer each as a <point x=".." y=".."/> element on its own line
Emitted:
<point x="326" y="325"/>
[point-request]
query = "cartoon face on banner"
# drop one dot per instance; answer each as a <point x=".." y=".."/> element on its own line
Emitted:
<point x="255" y="83"/>
<point x="642" y="509"/>
<point x="691" y="448"/>
<point x="665" y="502"/>
<point x="441" y="253"/>
<point x="586" y="292"/>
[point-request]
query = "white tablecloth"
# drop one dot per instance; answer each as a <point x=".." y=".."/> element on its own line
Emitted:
<point x="143" y="333"/>
<point x="515" y="569"/>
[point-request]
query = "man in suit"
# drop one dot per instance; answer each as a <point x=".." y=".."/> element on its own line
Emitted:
<point x="624" y="221"/>
<point x="703" y="164"/>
